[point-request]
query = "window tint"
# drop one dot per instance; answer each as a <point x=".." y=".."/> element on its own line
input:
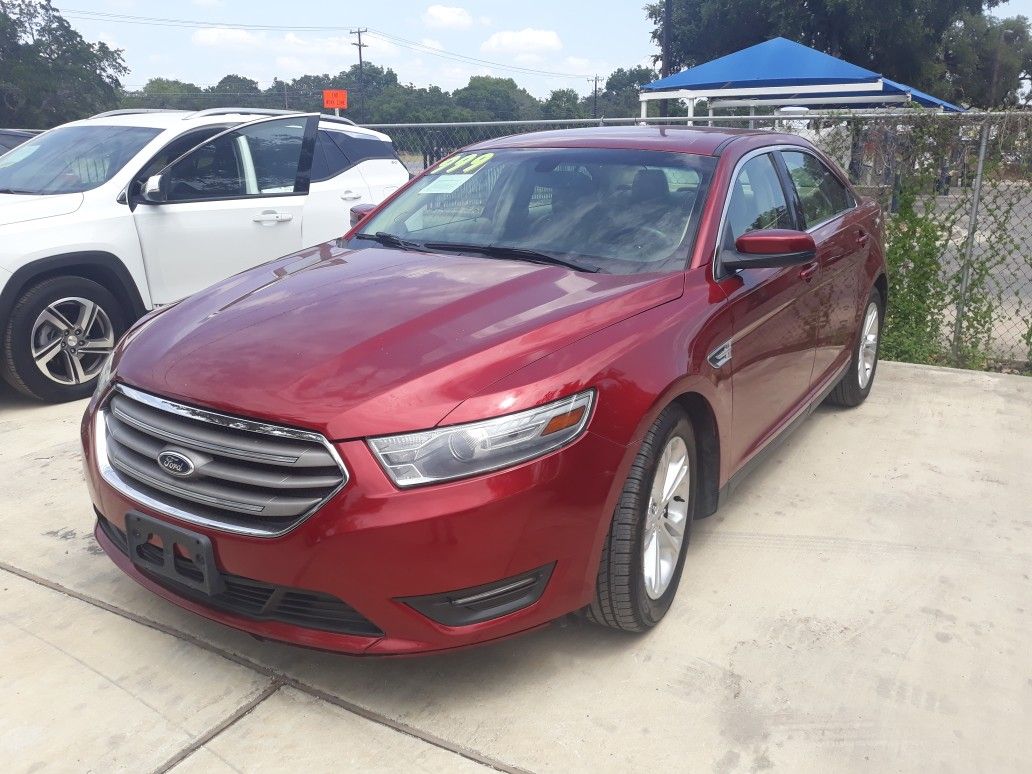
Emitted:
<point x="359" y="147"/>
<point x="72" y="158"/>
<point x="820" y="192"/>
<point x="757" y="199"/>
<point x="624" y="211"/>
<point x="328" y="161"/>
<point x="258" y="160"/>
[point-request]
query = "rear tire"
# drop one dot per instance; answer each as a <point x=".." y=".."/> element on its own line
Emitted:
<point x="58" y="335"/>
<point x="856" y="383"/>
<point x="631" y="595"/>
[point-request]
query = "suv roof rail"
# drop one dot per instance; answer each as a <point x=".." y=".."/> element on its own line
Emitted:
<point x="223" y="111"/>
<point x="135" y="111"/>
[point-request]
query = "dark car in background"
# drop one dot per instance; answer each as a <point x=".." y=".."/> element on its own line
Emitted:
<point x="12" y="138"/>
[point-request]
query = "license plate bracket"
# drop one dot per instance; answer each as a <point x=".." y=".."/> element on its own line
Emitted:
<point x="197" y="572"/>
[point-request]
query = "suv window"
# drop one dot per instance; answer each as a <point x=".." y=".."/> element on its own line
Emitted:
<point x="177" y="148"/>
<point x="71" y="159"/>
<point x="359" y="147"/>
<point x="328" y="161"/>
<point x="257" y="160"/>
<point x="821" y="193"/>
<point x="757" y="199"/>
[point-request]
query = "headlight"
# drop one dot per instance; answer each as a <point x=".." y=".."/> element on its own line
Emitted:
<point x="466" y="450"/>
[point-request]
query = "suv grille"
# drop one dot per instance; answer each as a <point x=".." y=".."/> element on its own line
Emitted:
<point x="243" y="476"/>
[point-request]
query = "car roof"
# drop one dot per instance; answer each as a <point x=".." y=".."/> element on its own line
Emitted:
<point x="700" y="140"/>
<point x="189" y="119"/>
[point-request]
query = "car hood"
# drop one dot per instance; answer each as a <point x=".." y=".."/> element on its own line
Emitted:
<point x="375" y="341"/>
<point x="19" y="208"/>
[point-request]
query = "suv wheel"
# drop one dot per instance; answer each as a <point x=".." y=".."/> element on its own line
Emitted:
<point x="644" y="551"/>
<point x="58" y="336"/>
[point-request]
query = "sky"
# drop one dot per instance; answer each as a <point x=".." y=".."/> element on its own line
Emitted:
<point x="541" y="44"/>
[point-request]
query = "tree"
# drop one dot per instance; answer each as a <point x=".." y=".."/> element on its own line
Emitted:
<point x="987" y="59"/>
<point x="236" y="91"/>
<point x="496" y="99"/>
<point x="562" y="103"/>
<point x="901" y="38"/>
<point x="48" y="73"/>
<point x="619" y="99"/>
<point x="169" y="94"/>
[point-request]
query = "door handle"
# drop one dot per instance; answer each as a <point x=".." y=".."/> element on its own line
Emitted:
<point x="809" y="271"/>
<point x="271" y="217"/>
<point x="350" y="196"/>
<point x="862" y="238"/>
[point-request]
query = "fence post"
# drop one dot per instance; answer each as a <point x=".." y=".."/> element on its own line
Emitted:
<point x="969" y="247"/>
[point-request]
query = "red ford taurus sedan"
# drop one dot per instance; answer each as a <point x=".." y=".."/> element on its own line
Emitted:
<point x="502" y="397"/>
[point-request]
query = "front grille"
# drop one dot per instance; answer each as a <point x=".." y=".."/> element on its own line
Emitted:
<point x="247" y="476"/>
<point x="255" y="599"/>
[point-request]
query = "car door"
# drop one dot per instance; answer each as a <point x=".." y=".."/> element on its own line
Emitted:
<point x="234" y="201"/>
<point x="336" y="187"/>
<point x="773" y="312"/>
<point x="842" y="247"/>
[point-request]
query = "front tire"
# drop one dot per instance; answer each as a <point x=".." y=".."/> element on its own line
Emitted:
<point x="643" y="555"/>
<point x="58" y="336"/>
<point x="856" y="383"/>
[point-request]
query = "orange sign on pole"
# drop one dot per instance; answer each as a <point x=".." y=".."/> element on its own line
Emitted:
<point x="335" y="98"/>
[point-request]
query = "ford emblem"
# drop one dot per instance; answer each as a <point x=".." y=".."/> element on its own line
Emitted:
<point x="176" y="464"/>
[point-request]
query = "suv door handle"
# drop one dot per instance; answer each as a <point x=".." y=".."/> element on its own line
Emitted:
<point x="350" y="196"/>
<point x="271" y="216"/>
<point x="808" y="272"/>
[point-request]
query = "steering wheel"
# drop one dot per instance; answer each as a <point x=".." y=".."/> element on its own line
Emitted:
<point x="654" y="233"/>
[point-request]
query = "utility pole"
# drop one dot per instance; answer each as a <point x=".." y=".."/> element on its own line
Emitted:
<point x="594" y="108"/>
<point x="285" y="105"/>
<point x="361" y="79"/>
<point x="665" y="69"/>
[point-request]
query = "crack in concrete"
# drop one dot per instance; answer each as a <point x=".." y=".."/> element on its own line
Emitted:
<point x="279" y="680"/>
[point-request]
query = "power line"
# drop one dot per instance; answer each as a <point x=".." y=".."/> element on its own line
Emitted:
<point x="156" y="21"/>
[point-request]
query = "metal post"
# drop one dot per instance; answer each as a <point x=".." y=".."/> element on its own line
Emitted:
<point x="969" y="247"/>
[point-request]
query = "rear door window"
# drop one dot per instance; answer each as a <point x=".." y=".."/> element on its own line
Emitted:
<point x="821" y="193"/>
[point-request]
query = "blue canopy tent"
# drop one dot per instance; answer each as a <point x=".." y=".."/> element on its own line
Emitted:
<point x="781" y="72"/>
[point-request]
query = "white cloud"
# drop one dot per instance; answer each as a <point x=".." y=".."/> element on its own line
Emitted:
<point x="431" y="43"/>
<point x="207" y="3"/>
<point x="448" y="17"/>
<point x="523" y="41"/>
<point x="226" y="37"/>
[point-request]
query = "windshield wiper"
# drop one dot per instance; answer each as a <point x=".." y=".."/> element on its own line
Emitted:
<point x="393" y="240"/>
<point x="516" y="253"/>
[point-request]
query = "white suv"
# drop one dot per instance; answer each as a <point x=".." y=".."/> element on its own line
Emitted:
<point x="105" y="218"/>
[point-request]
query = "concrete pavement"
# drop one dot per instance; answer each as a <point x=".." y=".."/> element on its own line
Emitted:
<point x="864" y="603"/>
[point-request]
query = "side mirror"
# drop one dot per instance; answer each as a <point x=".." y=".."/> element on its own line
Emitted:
<point x="154" y="190"/>
<point x="359" y="212"/>
<point x="770" y="248"/>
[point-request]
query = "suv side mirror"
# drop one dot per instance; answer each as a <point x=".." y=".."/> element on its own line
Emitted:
<point x="154" y="190"/>
<point x="770" y="248"/>
<point x="359" y="211"/>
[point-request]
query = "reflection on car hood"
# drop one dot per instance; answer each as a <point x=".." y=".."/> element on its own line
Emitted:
<point x="19" y="208"/>
<point x="367" y="342"/>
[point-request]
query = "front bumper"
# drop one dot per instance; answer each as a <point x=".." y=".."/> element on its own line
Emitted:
<point x="390" y="554"/>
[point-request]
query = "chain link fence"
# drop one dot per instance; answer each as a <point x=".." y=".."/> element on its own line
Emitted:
<point x="958" y="191"/>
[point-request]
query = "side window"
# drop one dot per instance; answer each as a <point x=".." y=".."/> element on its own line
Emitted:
<point x="359" y="147"/>
<point x="257" y="160"/>
<point x="820" y="192"/>
<point x="329" y="161"/>
<point x="175" y="149"/>
<point x="757" y="199"/>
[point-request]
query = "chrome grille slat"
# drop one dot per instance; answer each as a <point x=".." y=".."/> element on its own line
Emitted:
<point x="247" y="477"/>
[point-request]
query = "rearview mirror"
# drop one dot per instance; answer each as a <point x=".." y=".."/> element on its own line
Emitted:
<point x="153" y="191"/>
<point x="770" y="248"/>
<point x="359" y="211"/>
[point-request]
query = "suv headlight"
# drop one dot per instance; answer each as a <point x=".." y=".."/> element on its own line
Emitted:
<point x="466" y="450"/>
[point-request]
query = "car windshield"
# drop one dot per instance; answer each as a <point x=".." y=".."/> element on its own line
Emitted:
<point x="71" y="159"/>
<point x="620" y="211"/>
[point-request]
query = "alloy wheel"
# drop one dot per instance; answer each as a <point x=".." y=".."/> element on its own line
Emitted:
<point x="868" y="346"/>
<point x="666" y="518"/>
<point x="71" y="339"/>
